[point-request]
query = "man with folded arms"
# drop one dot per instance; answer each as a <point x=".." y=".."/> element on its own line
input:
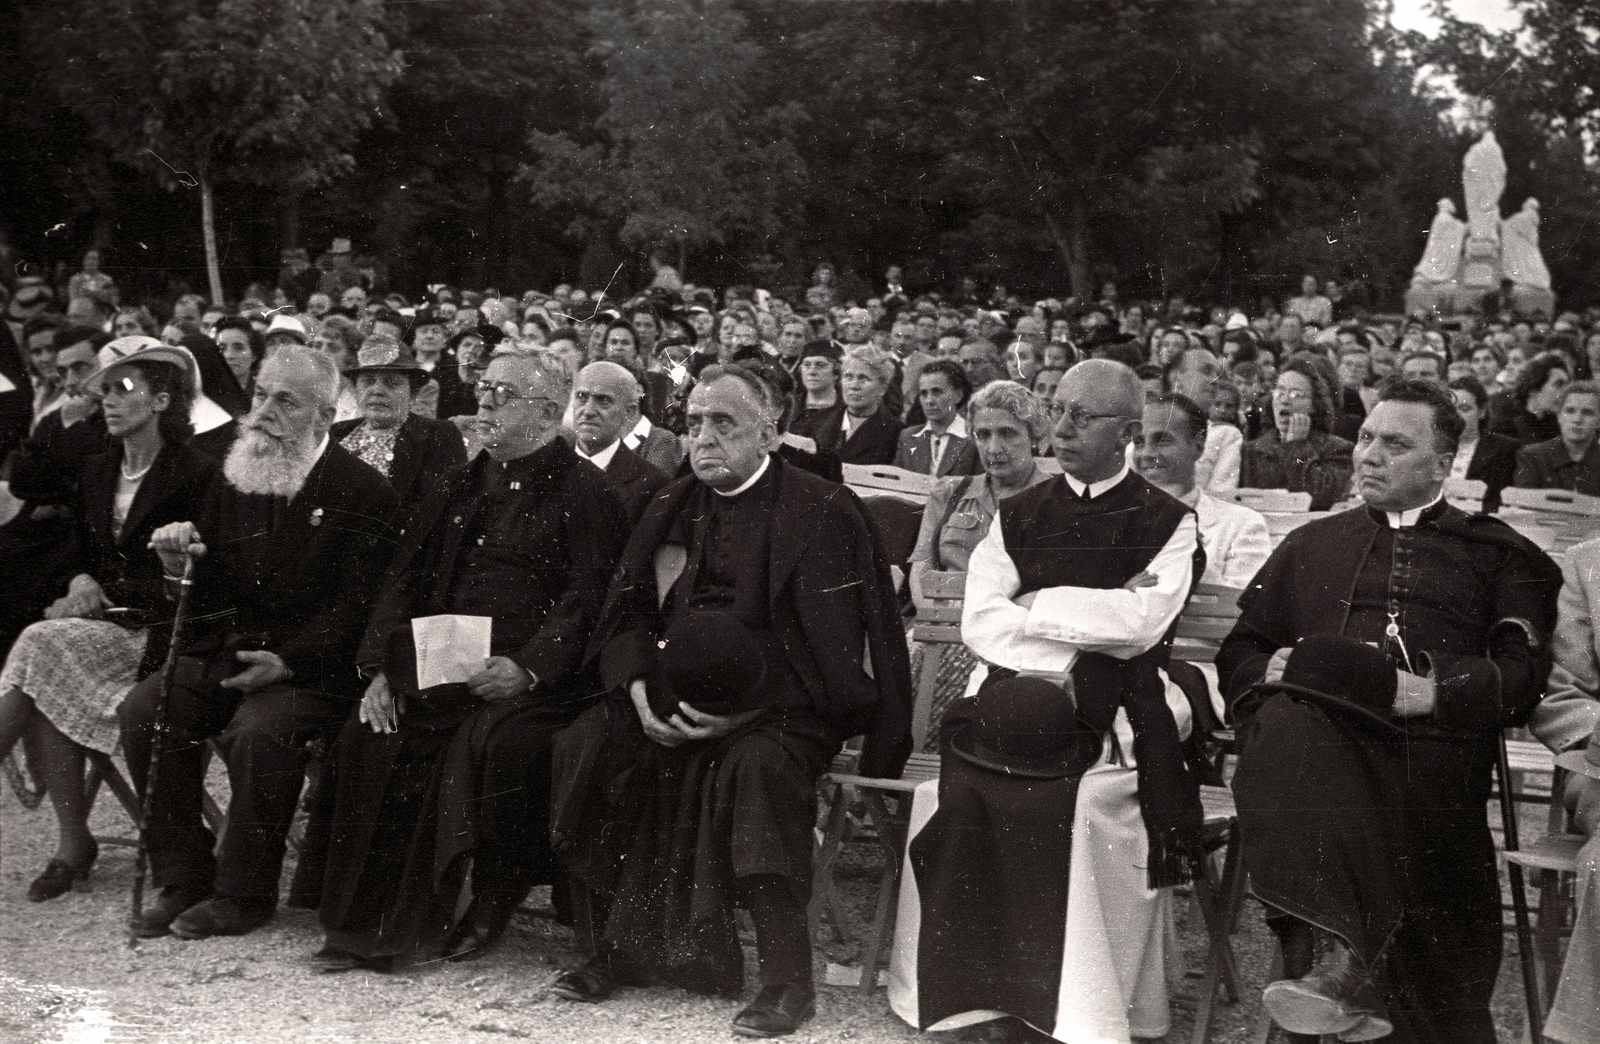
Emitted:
<point x="1369" y="824"/>
<point x="290" y="545"/>
<point x="1079" y="581"/>
<point x="680" y="795"/>
<point x="527" y="534"/>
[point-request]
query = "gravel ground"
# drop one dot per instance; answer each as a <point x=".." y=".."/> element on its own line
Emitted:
<point x="67" y="975"/>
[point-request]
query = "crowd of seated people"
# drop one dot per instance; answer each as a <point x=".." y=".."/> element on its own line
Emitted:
<point x="689" y="616"/>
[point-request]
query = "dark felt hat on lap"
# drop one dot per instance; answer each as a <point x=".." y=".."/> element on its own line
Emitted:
<point x="710" y="660"/>
<point x="1027" y="727"/>
<point x="1342" y="673"/>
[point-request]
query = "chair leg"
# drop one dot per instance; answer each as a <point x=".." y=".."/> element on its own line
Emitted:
<point x="1267" y="1029"/>
<point x="892" y="829"/>
<point x="1547" y="934"/>
<point x="824" y="897"/>
<point x="1216" y="899"/>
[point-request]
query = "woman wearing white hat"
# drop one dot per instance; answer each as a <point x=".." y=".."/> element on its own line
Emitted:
<point x="66" y="674"/>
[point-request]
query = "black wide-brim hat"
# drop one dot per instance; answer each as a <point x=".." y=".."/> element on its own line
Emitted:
<point x="1341" y="673"/>
<point x="1027" y="727"/>
<point x="712" y="661"/>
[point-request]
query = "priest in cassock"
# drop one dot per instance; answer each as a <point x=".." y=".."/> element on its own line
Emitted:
<point x="1076" y="589"/>
<point x="1364" y="817"/>
<point x="678" y="801"/>
<point x="526" y="534"/>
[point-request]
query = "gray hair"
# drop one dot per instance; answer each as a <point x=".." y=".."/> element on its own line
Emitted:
<point x="326" y="381"/>
<point x="610" y="369"/>
<point x="878" y="360"/>
<point x="1014" y="399"/>
<point x="760" y="389"/>
<point x="542" y="365"/>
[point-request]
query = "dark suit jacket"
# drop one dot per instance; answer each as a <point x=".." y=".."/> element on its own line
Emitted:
<point x="1494" y="462"/>
<point x="293" y="577"/>
<point x="1546" y="465"/>
<point x="424" y="449"/>
<point x="873" y="442"/>
<point x="173" y="490"/>
<point x="915" y="453"/>
<point x="635" y="481"/>
<point x="830" y="598"/>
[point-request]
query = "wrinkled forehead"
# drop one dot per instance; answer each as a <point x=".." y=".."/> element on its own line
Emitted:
<point x="727" y="396"/>
<point x="1411" y="420"/>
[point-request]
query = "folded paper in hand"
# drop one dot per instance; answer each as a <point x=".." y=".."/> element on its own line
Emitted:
<point x="450" y="648"/>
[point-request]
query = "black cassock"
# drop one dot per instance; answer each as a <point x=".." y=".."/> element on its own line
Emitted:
<point x="1380" y="834"/>
<point x="530" y="544"/>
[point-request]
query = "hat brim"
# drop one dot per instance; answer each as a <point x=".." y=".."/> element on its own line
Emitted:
<point x="1330" y="702"/>
<point x="170" y="354"/>
<point x="1083" y="752"/>
<point x="1578" y="761"/>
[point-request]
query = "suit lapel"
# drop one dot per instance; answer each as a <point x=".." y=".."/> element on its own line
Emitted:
<point x="297" y="523"/>
<point x="164" y="478"/>
<point x="99" y="489"/>
<point x="791" y="532"/>
<point x="402" y="469"/>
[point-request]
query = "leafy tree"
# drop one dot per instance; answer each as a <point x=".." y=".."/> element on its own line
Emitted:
<point x="680" y="155"/>
<point x="267" y="92"/>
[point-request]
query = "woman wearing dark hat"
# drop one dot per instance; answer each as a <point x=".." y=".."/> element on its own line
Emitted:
<point x="818" y="398"/>
<point x="463" y="361"/>
<point x="412" y="452"/>
<point x="66" y="674"/>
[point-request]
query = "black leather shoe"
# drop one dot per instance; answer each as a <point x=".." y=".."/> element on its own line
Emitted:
<point x="1336" y="997"/>
<point x="223" y="915"/>
<point x="590" y="984"/>
<point x="155" y="920"/>
<point x="329" y="961"/>
<point x="59" y="876"/>
<point x="777" y="1010"/>
<point x="481" y="927"/>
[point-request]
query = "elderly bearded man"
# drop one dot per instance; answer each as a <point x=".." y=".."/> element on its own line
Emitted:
<point x="1366" y="819"/>
<point x="290" y="546"/>
<point x="1050" y="902"/>
<point x="527" y="534"/>
<point x="672" y="812"/>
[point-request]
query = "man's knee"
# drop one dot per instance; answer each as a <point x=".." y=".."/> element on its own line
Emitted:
<point x="273" y="718"/>
<point x="138" y="709"/>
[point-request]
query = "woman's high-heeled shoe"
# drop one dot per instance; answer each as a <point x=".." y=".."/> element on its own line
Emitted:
<point x="59" y="876"/>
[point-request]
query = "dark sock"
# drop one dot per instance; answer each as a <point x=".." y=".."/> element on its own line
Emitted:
<point x="783" y="935"/>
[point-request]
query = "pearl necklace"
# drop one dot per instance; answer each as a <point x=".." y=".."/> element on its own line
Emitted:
<point x="136" y="476"/>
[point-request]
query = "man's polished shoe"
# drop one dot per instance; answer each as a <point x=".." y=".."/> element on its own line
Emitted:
<point x="224" y="915"/>
<point x="331" y="961"/>
<point x="599" y="977"/>
<point x="155" y="919"/>
<point x="777" y="1010"/>
<point x="481" y="927"/>
<point x="1334" y="997"/>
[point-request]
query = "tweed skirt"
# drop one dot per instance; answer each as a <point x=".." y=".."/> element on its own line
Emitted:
<point x="77" y="671"/>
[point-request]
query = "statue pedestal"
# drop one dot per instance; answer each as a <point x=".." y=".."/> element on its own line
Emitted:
<point x="1480" y="264"/>
<point x="1432" y="299"/>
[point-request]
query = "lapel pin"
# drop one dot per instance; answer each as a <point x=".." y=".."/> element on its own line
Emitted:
<point x="316" y="517"/>
<point x="516" y="485"/>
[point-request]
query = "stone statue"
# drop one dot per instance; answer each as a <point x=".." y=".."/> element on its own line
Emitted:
<point x="1441" y="259"/>
<point x="1466" y="260"/>
<point x="1520" y="258"/>
<point x="1483" y="175"/>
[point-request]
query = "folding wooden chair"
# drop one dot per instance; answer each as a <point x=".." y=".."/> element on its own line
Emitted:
<point x="1466" y="494"/>
<point x="1268" y="500"/>
<point x="1552" y="857"/>
<point x="1554" y="501"/>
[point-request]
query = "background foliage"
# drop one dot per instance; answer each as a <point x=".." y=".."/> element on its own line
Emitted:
<point x="1215" y="149"/>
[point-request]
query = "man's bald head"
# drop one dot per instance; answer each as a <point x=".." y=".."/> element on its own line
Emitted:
<point x="605" y="405"/>
<point x="1098" y="407"/>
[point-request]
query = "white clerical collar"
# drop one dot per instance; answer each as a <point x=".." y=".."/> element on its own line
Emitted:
<point x="1089" y="491"/>
<point x="752" y="480"/>
<point x="601" y="460"/>
<point x="958" y="428"/>
<point x="1407" y="519"/>
<point x="640" y="432"/>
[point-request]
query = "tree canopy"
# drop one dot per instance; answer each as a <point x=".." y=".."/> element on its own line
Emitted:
<point x="1214" y="148"/>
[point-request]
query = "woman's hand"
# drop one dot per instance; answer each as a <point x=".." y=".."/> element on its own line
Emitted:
<point x="84" y="599"/>
<point x="379" y="707"/>
<point x="1298" y="428"/>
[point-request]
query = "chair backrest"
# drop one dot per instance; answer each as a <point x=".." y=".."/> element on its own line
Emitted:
<point x="1265" y="500"/>
<point x="1466" y="494"/>
<point x="1281" y="523"/>
<point x="1549" y="531"/>
<point x="1205" y="622"/>
<point x="1555" y="501"/>
<point x="940" y="622"/>
<point x="884" y="479"/>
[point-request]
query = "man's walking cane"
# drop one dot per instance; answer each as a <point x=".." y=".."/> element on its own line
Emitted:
<point x="168" y="669"/>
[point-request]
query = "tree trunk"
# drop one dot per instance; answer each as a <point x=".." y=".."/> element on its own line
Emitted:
<point x="289" y="221"/>
<point x="1073" y="243"/>
<point x="208" y="230"/>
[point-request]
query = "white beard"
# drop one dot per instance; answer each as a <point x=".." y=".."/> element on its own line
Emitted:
<point x="258" y="463"/>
